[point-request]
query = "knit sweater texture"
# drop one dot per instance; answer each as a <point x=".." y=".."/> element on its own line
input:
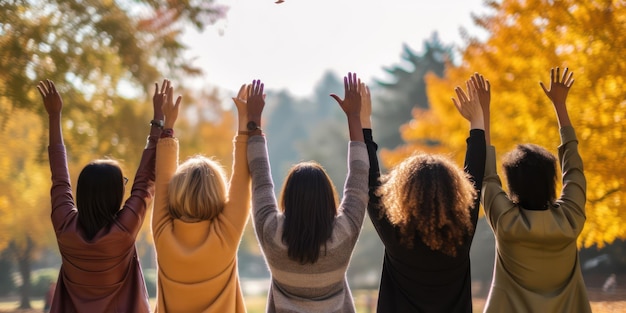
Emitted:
<point x="321" y="286"/>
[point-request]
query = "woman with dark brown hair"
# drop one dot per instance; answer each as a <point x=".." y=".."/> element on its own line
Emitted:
<point x="100" y="270"/>
<point x="425" y="212"/>
<point x="308" y="239"/>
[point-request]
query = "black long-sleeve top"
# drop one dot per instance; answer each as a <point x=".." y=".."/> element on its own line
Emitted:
<point x="421" y="279"/>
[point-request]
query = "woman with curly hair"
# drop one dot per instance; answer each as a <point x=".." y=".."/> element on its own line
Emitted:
<point x="425" y="212"/>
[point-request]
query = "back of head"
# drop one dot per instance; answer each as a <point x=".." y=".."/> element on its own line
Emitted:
<point x="309" y="203"/>
<point x="99" y="195"/>
<point x="430" y="197"/>
<point x="198" y="190"/>
<point x="531" y="176"/>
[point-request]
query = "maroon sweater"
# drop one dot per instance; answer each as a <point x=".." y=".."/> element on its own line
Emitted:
<point x="102" y="274"/>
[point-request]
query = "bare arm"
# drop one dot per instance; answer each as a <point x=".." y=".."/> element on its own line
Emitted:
<point x="559" y="88"/>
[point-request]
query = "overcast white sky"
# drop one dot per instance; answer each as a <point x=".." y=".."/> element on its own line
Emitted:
<point x="290" y="45"/>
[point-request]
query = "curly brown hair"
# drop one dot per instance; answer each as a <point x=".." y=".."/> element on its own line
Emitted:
<point x="430" y="197"/>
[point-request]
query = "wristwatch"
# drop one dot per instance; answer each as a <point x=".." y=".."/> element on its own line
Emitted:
<point x="252" y="126"/>
<point x="157" y="123"/>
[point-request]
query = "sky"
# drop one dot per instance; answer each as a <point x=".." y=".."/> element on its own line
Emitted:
<point x="291" y="45"/>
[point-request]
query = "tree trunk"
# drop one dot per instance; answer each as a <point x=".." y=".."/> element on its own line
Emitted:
<point x="23" y="257"/>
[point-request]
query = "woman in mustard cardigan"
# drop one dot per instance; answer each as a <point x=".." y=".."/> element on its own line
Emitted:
<point x="198" y="221"/>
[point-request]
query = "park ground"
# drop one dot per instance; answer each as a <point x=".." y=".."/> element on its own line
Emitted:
<point x="600" y="302"/>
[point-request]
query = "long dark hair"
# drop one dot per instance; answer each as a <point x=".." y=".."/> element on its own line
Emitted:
<point x="99" y="195"/>
<point x="531" y="176"/>
<point x="309" y="202"/>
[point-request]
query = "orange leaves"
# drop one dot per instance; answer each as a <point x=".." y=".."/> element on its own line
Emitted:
<point x="525" y="39"/>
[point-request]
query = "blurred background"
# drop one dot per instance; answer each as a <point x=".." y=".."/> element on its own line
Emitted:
<point x="105" y="56"/>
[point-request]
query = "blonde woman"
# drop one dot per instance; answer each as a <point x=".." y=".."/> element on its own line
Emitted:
<point x="198" y="221"/>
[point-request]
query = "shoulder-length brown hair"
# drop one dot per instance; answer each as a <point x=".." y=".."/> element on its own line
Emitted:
<point x="197" y="191"/>
<point x="309" y="203"/>
<point x="429" y="197"/>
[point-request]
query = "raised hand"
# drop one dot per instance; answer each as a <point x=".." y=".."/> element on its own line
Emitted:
<point x="170" y="109"/>
<point x="483" y="90"/>
<point x="559" y="86"/>
<point x="51" y="98"/>
<point x="351" y="104"/>
<point x="366" y="106"/>
<point x="469" y="106"/>
<point x="159" y="98"/>
<point x="255" y="101"/>
<point x="241" y="100"/>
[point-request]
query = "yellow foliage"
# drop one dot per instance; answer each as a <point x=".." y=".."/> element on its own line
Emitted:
<point x="24" y="208"/>
<point x="525" y="39"/>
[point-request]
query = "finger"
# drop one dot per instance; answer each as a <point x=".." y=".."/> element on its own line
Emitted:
<point x="569" y="79"/>
<point x="488" y="86"/>
<point x="544" y="89"/>
<point x="456" y="104"/>
<point x="558" y="76"/>
<point x="474" y="80"/>
<point x="334" y="96"/>
<point x="242" y="89"/>
<point x="345" y="83"/>
<point x="571" y="83"/>
<point x="41" y="92"/>
<point x="460" y="94"/>
<point x="178" y="101"/>
<point x="261" y="88"/>
<point x="250" y="88"/>
<point x="43" y="87"/>
<point x="564" y="75"/>
<point x="49" y="83"/>
<point x="163" y="86"/>
<point x="552" y="75"/>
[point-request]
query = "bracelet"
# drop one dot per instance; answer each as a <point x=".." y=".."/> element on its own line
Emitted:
<point x="157" y="123"/>
<point x="255" y="132"/>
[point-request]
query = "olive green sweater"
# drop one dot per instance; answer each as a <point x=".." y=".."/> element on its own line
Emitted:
<point x="537" y="266"/>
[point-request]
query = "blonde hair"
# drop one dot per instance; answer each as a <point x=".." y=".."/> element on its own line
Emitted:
<point x="197" y="191"/>
<point x="430" y="197"/>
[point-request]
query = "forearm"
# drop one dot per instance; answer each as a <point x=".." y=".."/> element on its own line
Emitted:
<point x="237" y="210"/>
<point x="355" y="128"/>
<point x="487" y="120"/>
<point x="166" y="164"/>
<point x="263" y="200"/>
<point x="562" y="116"/>
<point x="54" y="130"/>
<point x="356" y="189"/>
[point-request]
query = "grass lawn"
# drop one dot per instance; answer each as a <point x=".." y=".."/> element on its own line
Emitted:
<point x="600" y="303"/>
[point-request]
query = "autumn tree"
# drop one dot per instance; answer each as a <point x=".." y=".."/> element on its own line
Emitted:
<point x="524" y="40"/>
<point x="405" y="88"/>
<point x="93" y="50"/>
